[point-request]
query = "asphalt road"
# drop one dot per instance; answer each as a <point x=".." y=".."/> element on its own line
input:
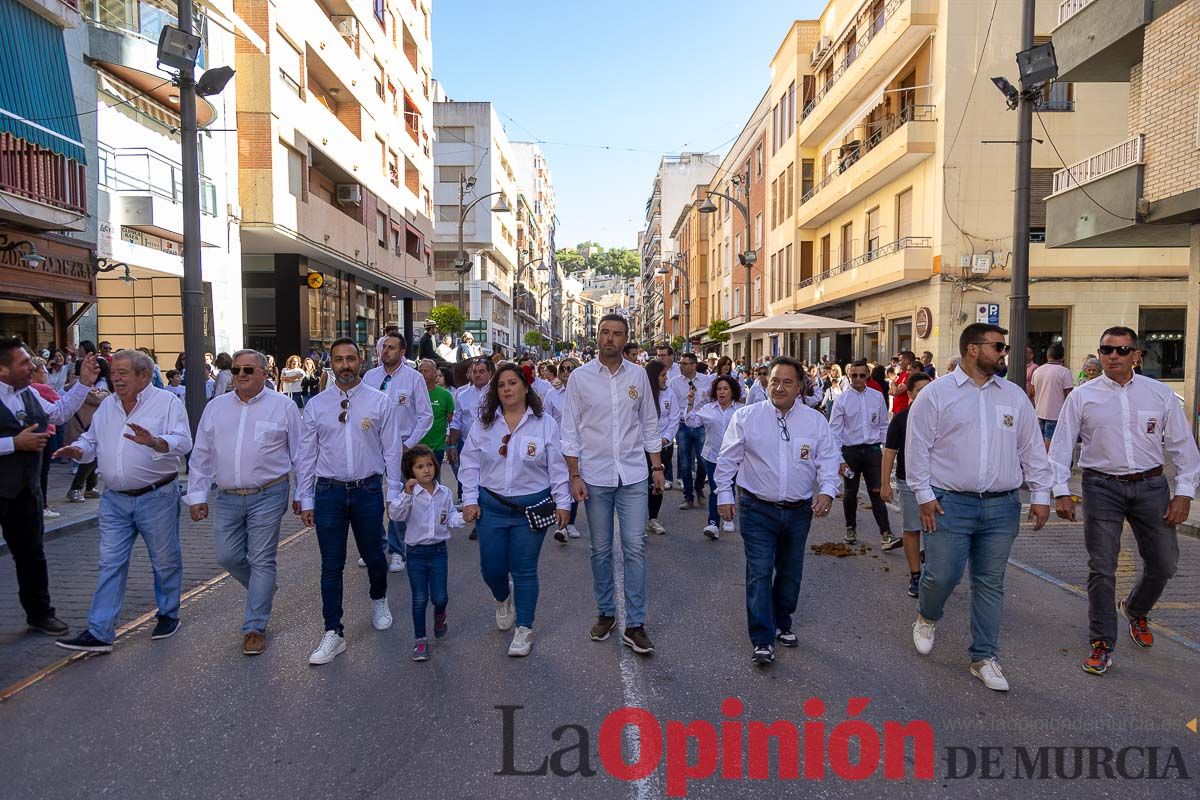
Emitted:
<point x="190" y="717"/>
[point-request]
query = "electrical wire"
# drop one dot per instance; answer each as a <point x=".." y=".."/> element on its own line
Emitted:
<point x="1076" y="185"/>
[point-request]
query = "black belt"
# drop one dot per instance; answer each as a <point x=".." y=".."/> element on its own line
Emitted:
<point x="980" y="495"/>
<point x="1129" y="477"/>
<point x="788" y="506"/>
<point x="860" y="446"/>
<point x="358" y="484"/>
<point x="147" y="489"/>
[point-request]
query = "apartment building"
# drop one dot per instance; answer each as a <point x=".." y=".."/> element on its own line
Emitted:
<point x="902" y="217"/>
<point x="335" y="164"/>
<point x="1141" y="188"/>
<point x="476" y="176"/>
<point x="691" y="267"/>
<point x="541" y="207"/>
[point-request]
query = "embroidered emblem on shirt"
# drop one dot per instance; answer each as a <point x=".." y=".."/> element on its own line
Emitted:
<point x="1151" y="426"/>
<point x="633" y="393"/>
<point x="1008" y="420"/>
<point x="442" y="519"/>
<point x="874" y="418"/>
<point x="531" y="449"/>
<point x="804" y="452"/>
<point x="366" y="424"/>
<point x="402" y="399"/>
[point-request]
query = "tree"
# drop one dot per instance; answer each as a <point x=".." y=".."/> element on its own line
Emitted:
<point x="449" y="318"/>
<point x="535" y="339"/>
<point x="677" y="343"/>
<point x="618" y="261"/>
<point x="570" y="260"/>
<point x="716" y="330"/>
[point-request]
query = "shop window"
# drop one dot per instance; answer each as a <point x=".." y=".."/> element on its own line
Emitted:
<point x="1046" y="326"/>
<point x="1162" y="334"/>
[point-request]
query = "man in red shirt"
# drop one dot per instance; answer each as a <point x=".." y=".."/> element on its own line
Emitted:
<point x="900" y="399"/>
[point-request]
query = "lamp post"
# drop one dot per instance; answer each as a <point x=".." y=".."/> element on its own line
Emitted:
<point x="519" y="289"/>
<point x="461" y="265"/>
<point x="747" y="258"/>
<point x="687" y="297"/>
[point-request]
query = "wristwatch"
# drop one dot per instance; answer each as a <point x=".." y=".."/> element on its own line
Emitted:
<point x="573" y="477"/>
<point x="659" y="468"/>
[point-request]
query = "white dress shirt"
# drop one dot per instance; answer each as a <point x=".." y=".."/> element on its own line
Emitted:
<point x="125" y="464"/>
<point x="757" y="394"/>
<point x="968" y="438"/>
<point x="609" y="422"/>
<point x="367" y="443"/>
<point x="224" y="383"/>
<point x="543" y="387"/>
<point x="714" y="420"/>
<point x="697" y="387"/>
<point x="553" y="402"/>
<point x="533" y="460"/>
<point x="58" y="413"/>
<point x="670" y="415"/>
<point x="409" y="394"/>
<point x="244" y="445"/>
<point x="468" y="405"/>
<point x="430" y="516"/>
<point x="673" y="371"/>
<point x="1124" y="429"/>
<point x="859" y="418"/>
<point x="771" y="467"/>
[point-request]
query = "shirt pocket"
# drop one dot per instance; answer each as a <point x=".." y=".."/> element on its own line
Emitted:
<point x="1006" y="419"/>
<point x="266" y="433"/>
<point x="530" y="448"/>
<point x="804" y="453"/>
<point x="1150" y="424"/>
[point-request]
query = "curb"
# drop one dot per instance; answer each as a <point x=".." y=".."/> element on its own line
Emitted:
<point x="64" y="529"/>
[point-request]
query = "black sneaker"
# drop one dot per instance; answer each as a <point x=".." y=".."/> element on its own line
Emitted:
<point x="889" y="542"/>
<point x="560" y="535"/>
<point x="635" y="639"/>
<point x="85" y="643"/>
<point x="603" y="627"/>
<point x="763" y="654"/>
<point x="851" y="536"/>
<point x="49" y="625"/>
<point x="165" y="628"/>
<point x="474" y="536"/>
<point x="914" y="584"/>
<point x="787" y="638"/>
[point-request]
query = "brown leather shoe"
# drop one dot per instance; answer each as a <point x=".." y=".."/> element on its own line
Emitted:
<point x="253" y="644"/>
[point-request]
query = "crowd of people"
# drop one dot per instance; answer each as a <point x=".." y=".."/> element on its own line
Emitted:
<point x="773" y="444"/>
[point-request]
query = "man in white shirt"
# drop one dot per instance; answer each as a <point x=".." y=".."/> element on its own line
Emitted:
<point x="859" y="423"/>
<point x="775" y="451"/>
<point x="972" y="438"/>
<point x="608" y="422"/>
<point x="468" y="401"/>
<point x="1126" y="422"/>
<point x="665" y="355"/>
<point x="413" y="418"/>
<point x="350" y="439"/>
<point x="691" y="390"/>
<point x="138" y="435"/>
<point x="248" y="442"/>
<point x="758" y="389"/>
<point x="24" y="416"/>
<point x="1052" y="382"/>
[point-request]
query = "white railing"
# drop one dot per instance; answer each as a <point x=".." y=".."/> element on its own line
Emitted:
<point x="1069" y="8"/>
<point x="1126" y="154"/>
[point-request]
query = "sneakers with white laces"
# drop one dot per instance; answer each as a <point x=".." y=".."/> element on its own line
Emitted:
<point x="711" y="531"/>
<point x="505" y="616"/>
<point x="666" y="486"/>
<point x="727" y="527"/>
<point x="654" y="526"/>
<point x="923" y="635"/>
<point x="560" y="536"/>
<point x="573" y="532"/>
<point x="988" y="671"/>
<point x="396" y="563"/>
<point x="362" y="563"/>
<point x="332" y="645"/>
<point x="522" y="642"/>
<point x="381" y="615"/>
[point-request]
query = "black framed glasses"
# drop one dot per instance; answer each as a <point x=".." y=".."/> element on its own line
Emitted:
<point x="1119" y="349"/>
<point x="504" y="445"/>
<point x="999" y="347"/>
<point x="243" y="370"/>
<point x="783" y="428"/>
<point x="345" y="410"/>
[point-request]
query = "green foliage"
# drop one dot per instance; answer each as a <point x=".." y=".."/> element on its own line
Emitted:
<point x="449" y="319"/>
<point x="535" y="339"/>
<point x="615" y="261"/>
<point x="563" y="346"/>
<point x="677" y="343"/>
<point x="716" y="330"/>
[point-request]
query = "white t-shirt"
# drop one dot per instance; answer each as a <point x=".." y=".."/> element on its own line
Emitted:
<point x="1051" y="382"/>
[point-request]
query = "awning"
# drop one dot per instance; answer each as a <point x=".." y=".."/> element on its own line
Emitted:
<point x="793" y="322"/>
<point x="37" y="103"/>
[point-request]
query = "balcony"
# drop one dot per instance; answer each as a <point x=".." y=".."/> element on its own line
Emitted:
<point x="898" y="144"/>
<point x="884" y="45"/>
<point x="40" y="188"/>
<point x="888" y="266"/>
<point x="1100" y="40"/>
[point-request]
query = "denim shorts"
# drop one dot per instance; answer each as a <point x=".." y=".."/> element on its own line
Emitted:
<point x="1047" y="426"/>
<point x="910" y="509"/>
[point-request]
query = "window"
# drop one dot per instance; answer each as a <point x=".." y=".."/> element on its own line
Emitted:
<point x="774" y="274"/>
<point x="758" y="163"/>
<point x="758" y="295"/>
<point x="380" y="12"/>
<point x="758" y="231"/>
<point x="904" y="214"/>
<point x="791" y="110"/>
<point x="1041" y="184"/>
<point x="456" y="135"/>
<point x="737" y="301"/>
<point x="791" y="197"/>
<point x="450" y="174"/>
<point x="291" y="66"/>
<point x="775" y="129"/>
<point x="825" y="253"/>
<point x="450" y="214"/>
<point x="381" y="227"/>
<point x="394" y="167"/>
<point x="412" y="178"/>
<point x="1056" y="96"/>
<point x="774" y="203"/>
<point x="847" y="252"/>
<point x="1162" y="331"/>
<point x="787" y="267"/>
<point x="412" y="243"/>
<point x="295" y="173"/>
<point x="380" y="80"/>
<point x="872" y="230"/>
<point x="806" y="177"/>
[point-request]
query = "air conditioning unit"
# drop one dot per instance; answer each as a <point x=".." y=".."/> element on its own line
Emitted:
<point x="348" y="27"/>
<point x="822" y="46"/>
<point x="349" y="194"/>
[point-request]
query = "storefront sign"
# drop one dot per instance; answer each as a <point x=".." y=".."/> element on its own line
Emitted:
<point x="65" y="273"/>
<point x="924" y="323"/>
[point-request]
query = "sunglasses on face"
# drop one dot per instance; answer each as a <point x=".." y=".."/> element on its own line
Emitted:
<point x="242" y="370"/>
<point x="1119" y="349"/>
<point x="345" y="410"/>
<point x="561" y="370"/>
<point x="999" y="347"/>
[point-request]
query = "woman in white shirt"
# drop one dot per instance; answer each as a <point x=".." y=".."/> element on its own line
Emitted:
<point x="714" y="417"/>
<point x="512" y="461"/>
<point x="554" y="405"/>
<point x="291" y="380"/>
<point x="669" y="417"/>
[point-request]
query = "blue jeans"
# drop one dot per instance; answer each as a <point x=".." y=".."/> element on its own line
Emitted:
<point x="574" y="512"/>
<point x="427" y="578"/>
<point x="629" y="503"/>
<point x="154" y="515"/>
<point x="774" y="539"/>
<point x="458" y="448"/>
<point x="980" y="531"/>
<point x="337" y="508"/>
<point x="508" y="546"/>
<point x="690" y="441"/>
<point x="246" y="530"/>
<point x="394" y="541"/>
<point x="710" y="469"/>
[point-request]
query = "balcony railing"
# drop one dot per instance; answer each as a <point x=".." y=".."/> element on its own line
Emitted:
<point x="41" y="175"/>
<point x="1126" y="154"/>
<point x="140" y="169"/>
<point x="866" y="258"/>
<point x="1069" y="8"/>
<point x="852" y="152"/>
<point x="865" y="33"/>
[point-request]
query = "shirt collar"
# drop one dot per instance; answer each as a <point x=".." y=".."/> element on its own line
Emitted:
<point x="960" y="377"/>
<point x="252" y="400"/>
<point x="1107" y="381"/>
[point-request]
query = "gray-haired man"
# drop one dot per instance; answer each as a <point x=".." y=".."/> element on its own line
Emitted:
<point x="247" y="442"/>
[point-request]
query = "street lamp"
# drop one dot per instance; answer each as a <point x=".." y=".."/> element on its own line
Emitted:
<point x="687" y="297"/>
<point x="520" y="290"/>
<point x="747" y="258"/>
<point x="461" y="264"/>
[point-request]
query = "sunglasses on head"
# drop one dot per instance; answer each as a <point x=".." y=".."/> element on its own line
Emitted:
<point x="242" y="370"/>
<point x="999" y="347"/>
<point x="1119" y="349"/>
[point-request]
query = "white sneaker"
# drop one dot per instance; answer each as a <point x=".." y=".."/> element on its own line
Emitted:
<point x="505" y="616"/>
<point x="923" y="635"/>
<point x="362" y="563"/>
<point x="666" y="485"/>
<point x="331" y="646"/>
<point x="989" y="672"/>
<point x="654" y="526"/>
<point x="50" y="513"/>
<point x="396" y="563"/>
<point x="381" y="615"/>
<point x="710" y="530"/>
<point x="727" y="526"/>
<point x="573" y="532"/>
<point x="522" y="642"/>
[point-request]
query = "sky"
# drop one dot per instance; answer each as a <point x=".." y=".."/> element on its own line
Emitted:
<point x="610" y="88"/>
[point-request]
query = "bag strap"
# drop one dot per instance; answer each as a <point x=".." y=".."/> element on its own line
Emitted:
<point x="504" y="502"/>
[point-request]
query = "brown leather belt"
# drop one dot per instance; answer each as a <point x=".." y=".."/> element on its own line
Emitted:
<point x="1130" y="477"/>
<point x="263" y="488"/>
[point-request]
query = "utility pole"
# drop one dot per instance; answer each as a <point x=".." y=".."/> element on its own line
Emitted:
<point x="1019" y="299"/>
<point x="749" y="259"/>
<point x="461" y="259"/>
<point x="193" y="282"/>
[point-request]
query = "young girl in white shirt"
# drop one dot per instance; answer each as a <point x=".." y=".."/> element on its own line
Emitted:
<point x="428" y="508"/>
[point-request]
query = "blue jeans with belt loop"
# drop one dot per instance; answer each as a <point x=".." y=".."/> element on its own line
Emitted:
<point x="774" y="539"/>
<point x="981" y="531"/>
<point x="508" y="546"/>
<point x="337" y="508"/>
<point x="427" y="571"/>
<point x="628" y="502"/>
<point x="246" y="531"/>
